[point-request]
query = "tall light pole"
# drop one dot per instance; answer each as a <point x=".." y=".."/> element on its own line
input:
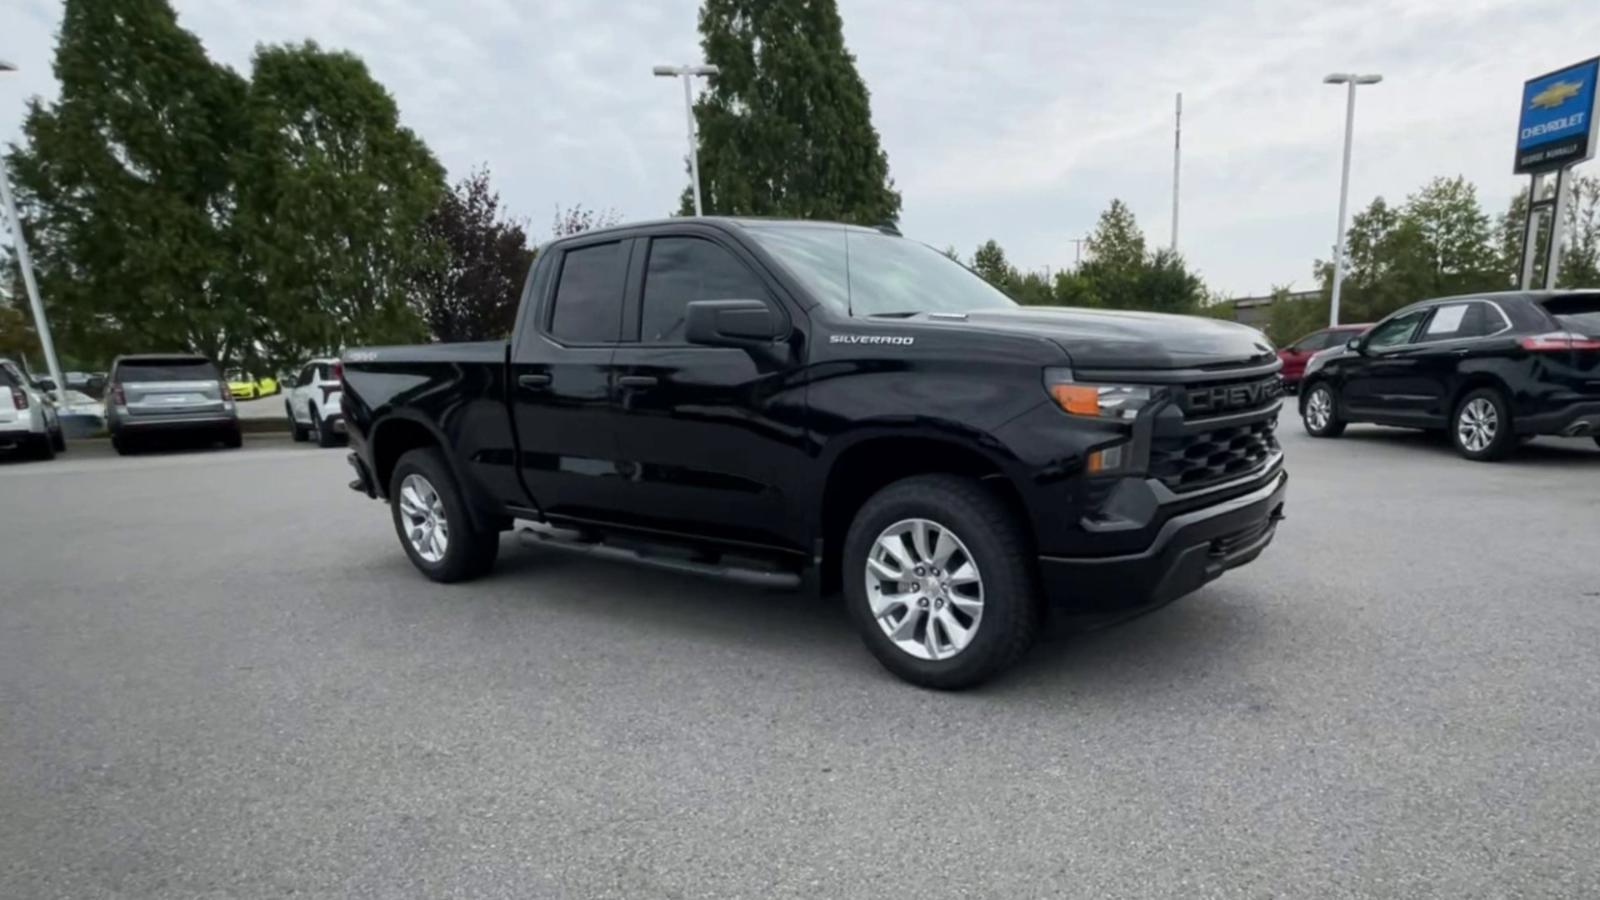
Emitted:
<point x="687" y="73"/>
<point x="25" y="262"/>
<point x="1177" y="151"/>
<point x="1351" y="80"/>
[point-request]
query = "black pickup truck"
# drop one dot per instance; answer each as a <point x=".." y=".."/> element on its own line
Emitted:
<point x="809" y="404"/>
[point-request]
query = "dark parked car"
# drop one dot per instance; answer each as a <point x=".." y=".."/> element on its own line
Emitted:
<point x="1295" y="356"/>
<point x="1489" y="369"/>
<point x="789" y="403"/>
<point x="153" y="397"/>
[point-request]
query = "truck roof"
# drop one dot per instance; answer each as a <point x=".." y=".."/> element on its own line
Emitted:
<point x="724" y="221"/>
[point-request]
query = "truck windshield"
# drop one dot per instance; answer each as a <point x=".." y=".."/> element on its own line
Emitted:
<point x="865" y="273"/>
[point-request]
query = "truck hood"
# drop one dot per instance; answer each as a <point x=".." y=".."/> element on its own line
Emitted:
<point x="1115" y="339"/>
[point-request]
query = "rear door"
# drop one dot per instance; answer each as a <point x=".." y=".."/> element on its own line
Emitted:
<point x="1447" y="349"/>
<point x="560" y="378"/>
<point x="704" y="450"/>
<point x="179" y="385"/>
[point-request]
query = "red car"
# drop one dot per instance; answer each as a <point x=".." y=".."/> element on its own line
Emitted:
<point x="1296" y="354"/>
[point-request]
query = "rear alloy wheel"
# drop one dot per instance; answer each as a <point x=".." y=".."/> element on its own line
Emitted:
<point x="1482" y="428"/>
<point x="1320" y="414"/>
<point x="939" y="581"/>
<point x="431" y="519"/>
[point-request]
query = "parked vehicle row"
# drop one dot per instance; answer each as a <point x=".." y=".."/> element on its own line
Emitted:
<point x="1295" y="356"/>
<point x="245" y="386"/>
<point x="1491" y="370"/>
<point x="801" y="403"/>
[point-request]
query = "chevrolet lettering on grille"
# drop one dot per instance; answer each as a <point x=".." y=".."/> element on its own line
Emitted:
<point x="1229" y="397"/>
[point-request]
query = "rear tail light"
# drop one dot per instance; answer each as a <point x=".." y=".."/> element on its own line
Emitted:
<point x="19" y="398"/>
<point x="338" y="371"/>
<point x="227" y="395"/>
<point x="1559" y="341"/>
<point x="118" y="398"/>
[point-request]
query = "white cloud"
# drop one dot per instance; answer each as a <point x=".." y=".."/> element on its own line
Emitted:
<point x="1012" y="119"/>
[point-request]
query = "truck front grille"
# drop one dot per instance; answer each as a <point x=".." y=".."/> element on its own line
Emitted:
<point x="1190" y="461"/>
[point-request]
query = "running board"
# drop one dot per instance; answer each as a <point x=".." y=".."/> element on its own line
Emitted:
<point x="581" y="544"/>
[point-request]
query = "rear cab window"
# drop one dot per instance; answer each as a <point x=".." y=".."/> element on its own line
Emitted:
<point x="174" y="369"/>
<point x="587" y="305"/>
<point x="1577" y="313"/>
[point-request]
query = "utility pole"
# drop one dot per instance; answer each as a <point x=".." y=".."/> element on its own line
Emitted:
<point x="25" y="262"/>
<point x="1077" y="252"/>
<point x="1177" y="154"/>
<point x="687" y="73"/>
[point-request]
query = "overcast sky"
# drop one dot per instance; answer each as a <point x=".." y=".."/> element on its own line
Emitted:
<point x="1012" y="119"/>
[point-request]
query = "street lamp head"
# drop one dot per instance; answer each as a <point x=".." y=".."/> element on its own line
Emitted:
<point x="1368" y="79"/>
<point x="1347" y="77"/>
<point x="667" y="71"/>
<point x="7" y="66"/>
<point x="675" y="71"/>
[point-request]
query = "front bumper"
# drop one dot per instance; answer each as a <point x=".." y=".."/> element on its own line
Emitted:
<point x="1190" y="550"/>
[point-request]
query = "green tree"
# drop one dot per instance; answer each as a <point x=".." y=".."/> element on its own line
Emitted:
<point x="786" y="129"/>
<point x="1117" y="244"/>
<point x="333" y="194"/>
<point x="1121" y="273"/>
<point x="1580" y="261"/>
<point x="126" y="185"/>
<point x="990" y="263"/>
<point x="1288" y="320"/>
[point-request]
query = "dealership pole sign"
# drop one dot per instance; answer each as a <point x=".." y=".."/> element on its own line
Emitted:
<point x="1558" y="126"/>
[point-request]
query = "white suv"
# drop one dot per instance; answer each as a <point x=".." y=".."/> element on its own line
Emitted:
<point x="28" y="419"/>
<point x="312" y="403"/>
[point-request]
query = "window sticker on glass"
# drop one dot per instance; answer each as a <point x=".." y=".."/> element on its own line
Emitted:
<point x="1447" y="320"/>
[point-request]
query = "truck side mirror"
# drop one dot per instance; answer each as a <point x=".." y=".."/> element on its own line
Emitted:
<point x="730" y="323"/>
<point x="1353" y="344"/>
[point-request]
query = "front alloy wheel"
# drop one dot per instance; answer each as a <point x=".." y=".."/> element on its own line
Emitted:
<point x="1320" y="417"/>
<point x="925" y="589"/>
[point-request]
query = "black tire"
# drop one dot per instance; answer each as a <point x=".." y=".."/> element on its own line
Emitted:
<point x="234" y="439"/>
<point x="1334" y="425"/>
<point x="122" y="444"/>
<point x="469" y="551"/>
<point x="1597" y="440"/>
<point x="296" y="430"/>
<point x="42" y="447"/>
<point x="58" y="441"/>
<point x="320" y="432"/>
<point x="998" y="546"/>
<point x="1504" y="438"/>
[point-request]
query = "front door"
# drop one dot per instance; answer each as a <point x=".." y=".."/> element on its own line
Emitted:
<point x="560" y="379"/>
<point x="1381" y="380"/>
<point x="712" y="436"/>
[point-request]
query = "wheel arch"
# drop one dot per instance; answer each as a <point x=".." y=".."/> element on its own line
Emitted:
<point x="1472" y="381"/>
<point x="874" y="461"/>
<point x="401" y="432"/>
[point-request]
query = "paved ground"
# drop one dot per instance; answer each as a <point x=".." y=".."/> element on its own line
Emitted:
<point x="219" y="677"/>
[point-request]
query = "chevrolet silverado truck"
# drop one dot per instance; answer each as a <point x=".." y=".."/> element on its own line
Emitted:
<point x="804" y="404"/>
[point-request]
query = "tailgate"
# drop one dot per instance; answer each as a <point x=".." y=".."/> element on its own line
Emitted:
<point x="170" y="398"/>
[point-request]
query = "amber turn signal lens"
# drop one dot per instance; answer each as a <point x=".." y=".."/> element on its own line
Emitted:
<point x="1081" y="399"/>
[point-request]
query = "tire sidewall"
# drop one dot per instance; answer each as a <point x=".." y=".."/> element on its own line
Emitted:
<point x="1008" y="593"/>
<point x="1505" y="436"/>
<point x="455" y="562"/>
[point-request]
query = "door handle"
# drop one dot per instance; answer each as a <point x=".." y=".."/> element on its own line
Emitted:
<point x="534" y="381"/>
<point x="637" y="381"/>
<point x="1460" y="351"/>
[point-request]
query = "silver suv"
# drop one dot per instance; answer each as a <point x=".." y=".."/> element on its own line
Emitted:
<point x="28" y="420"/>
<point x="153" y="396"/>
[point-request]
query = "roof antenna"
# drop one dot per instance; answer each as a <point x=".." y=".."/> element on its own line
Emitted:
<point x="849" y="300"/>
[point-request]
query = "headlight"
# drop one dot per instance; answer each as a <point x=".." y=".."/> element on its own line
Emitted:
<point x="1102" y="401"/>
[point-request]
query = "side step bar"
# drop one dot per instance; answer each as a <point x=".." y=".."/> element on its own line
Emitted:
<point x="575" y="542"/>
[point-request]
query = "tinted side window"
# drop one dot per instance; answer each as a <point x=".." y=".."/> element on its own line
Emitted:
<point x="10" y="377"/>
<point x="1396" y="331"/>
<point x="588" y="299"/>
<point x="1449" y="323"/>
<point x="1311" y="343"/>
<point x="682" y="270"/>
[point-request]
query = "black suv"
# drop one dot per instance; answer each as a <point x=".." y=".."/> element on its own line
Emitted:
<point x="1492" y="369"/>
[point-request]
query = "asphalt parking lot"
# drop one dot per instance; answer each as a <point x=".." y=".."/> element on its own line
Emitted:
<point x="220" y="677"/>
